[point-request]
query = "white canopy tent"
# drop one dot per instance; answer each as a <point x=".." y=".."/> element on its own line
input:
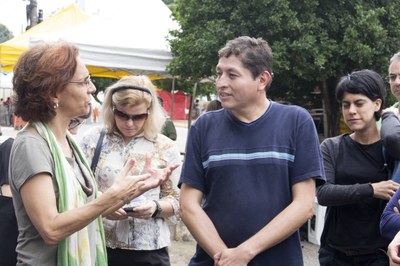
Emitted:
<point x="128" y="37"/>
<point x="5" y="84"/>
<point x="5" y="80"/>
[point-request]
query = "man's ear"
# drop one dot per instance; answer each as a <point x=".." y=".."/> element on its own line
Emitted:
<point x="265" y="79"/>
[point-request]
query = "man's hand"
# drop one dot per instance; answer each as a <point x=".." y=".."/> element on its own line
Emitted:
<point x="393" y="251"/>
<point x="233" y="257"/>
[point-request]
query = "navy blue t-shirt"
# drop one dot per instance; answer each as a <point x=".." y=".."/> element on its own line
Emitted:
<point x="246" y="172"/>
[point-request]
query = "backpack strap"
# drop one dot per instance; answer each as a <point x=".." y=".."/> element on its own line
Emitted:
<point x="97" y="151"/>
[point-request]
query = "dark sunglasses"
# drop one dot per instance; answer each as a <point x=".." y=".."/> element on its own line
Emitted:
<point x="75" y="122"/>
<point x="126" y="117"/>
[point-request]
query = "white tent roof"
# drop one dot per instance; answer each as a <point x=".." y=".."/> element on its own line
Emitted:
<point x="128" y="36"/>
<point x="6" y="80"/>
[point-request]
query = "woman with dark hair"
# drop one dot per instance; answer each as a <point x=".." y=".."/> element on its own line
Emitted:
<point x="57" y="205"/>
<point x="357" y="187"/>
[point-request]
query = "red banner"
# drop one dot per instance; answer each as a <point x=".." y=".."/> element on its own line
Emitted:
<point x="177" y="107"/>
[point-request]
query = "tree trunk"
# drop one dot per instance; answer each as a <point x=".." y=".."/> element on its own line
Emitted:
<point x="173" y="98"/>
<point x="192" y="99"/>
<point x="33" y="14"/>
<point x="331" y="107"/>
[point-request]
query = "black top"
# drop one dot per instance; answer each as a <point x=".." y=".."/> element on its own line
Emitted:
<point x="8" y="222"/>
<point x="353" y="214"/>
<point x="5" y="149"/>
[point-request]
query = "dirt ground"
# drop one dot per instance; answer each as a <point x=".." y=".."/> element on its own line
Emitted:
<point x="181" y="251"/>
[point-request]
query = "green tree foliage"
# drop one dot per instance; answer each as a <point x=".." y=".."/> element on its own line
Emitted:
<point x="314" y="42"/>
<point x="170" y="3"/>
<point x="101" y="85"/>
<point x="5" y="34"/>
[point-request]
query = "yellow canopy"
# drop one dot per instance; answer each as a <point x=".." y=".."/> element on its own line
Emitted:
<point x="117" y="73"/>
<point x="101" y="60"/>
<point x="12" y="49"/>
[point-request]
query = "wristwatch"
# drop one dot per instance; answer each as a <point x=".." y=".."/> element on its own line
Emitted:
<point x="158" y="210"/>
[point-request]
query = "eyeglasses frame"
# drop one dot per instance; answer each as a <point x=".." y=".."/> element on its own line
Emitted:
<point x="88" y="81"/>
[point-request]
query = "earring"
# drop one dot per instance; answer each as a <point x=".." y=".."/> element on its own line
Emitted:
<point x="55" y="106"/>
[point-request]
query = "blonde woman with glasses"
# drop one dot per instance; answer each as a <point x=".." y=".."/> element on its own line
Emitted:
<point x="133" y="117"/>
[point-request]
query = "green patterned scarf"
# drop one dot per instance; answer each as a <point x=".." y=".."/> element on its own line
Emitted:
<point x="77" y="249"/>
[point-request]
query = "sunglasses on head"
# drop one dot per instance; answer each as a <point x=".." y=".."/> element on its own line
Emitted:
<point x="126" y="117"/>
<point x="130" y="87"/>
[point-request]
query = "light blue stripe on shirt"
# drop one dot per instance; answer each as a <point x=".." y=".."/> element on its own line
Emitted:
<point x="248" y="156"/>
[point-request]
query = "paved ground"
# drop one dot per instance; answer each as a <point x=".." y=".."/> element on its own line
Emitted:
<point x="182" y="251"/>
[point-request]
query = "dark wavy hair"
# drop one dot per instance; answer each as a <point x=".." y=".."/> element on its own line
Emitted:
<point x="41" y="72"/>
<point x="366" y="82"/>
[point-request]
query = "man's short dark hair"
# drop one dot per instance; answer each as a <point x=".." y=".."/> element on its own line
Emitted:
<point x="255" y="54"/>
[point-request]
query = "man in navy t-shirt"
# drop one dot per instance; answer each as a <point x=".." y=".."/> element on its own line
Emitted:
<point x="250" y="170"/>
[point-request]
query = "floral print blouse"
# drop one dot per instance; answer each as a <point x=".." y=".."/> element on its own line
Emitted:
<point x="134" y="233"/>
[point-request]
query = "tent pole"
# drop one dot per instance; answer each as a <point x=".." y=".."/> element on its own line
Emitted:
<point x="192" y="99"/>
<point x="173" y="98"/>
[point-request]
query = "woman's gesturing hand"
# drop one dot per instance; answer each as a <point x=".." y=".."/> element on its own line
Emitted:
<point x="127" y="185"/>
<point x="157" y="176"/>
